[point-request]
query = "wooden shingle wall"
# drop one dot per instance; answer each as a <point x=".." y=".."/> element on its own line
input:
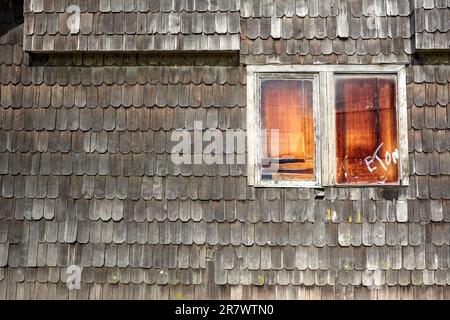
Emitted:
<point x="86" y="179"/>
<point x="142" y="25"/>
<point x="432" y="24"/>
<point x="330" y="31"/>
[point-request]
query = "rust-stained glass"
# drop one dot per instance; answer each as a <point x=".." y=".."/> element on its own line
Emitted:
<point x="366" y="130"/>
<point x="287" y="123"/>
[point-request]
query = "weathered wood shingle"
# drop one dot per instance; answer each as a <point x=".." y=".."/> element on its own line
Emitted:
<point x="432" y="27"/>
<point x="86" y="176"/>
<point x="131" y="26"/>
<point x="343" y="31"/>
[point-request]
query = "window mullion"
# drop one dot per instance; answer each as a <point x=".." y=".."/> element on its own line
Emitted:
<point x="328" y="126"/>
<point x="322" y="129"/>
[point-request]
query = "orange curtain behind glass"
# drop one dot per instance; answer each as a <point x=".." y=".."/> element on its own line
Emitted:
<point x="366" y="124"/>
<point x="287" y="107"/>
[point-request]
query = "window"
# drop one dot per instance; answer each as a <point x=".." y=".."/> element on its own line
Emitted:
<point x="312" y="126"/>
<point x="287" y="117"/>
<point x="366" y="128"/>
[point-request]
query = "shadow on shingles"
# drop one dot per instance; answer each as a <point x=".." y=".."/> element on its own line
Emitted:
<point x="11" y="15"/>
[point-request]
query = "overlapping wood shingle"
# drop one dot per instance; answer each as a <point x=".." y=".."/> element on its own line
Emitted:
<point x="86" y="176"/>
<point x="432" y="26"/>
<point x="330" y="31"/>
<point x="142" y="25"/>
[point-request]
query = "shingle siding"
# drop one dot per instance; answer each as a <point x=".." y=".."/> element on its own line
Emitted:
<point x="432" y="26"/>
<point x="86" y="178"/>
<point x="306" y="32"/>
<point x="141" y="25"/>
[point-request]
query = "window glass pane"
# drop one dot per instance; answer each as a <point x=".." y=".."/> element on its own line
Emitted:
<point x="287" y="124"/>
<point x="366" y="124"/>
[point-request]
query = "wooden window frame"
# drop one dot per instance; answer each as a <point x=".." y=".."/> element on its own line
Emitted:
<point x="324" y="120"/>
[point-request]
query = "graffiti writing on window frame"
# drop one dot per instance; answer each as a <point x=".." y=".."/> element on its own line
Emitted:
<point x="390" y="158"/>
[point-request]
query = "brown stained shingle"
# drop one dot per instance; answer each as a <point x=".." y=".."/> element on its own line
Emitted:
<point x="86" y="175"/>
<point x="310" y="29"/>
<point x="431" y="24"/>
<point x="114" y="25"/>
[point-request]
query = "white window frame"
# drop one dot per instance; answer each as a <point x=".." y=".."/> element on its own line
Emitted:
<point x="324" y="120"/>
